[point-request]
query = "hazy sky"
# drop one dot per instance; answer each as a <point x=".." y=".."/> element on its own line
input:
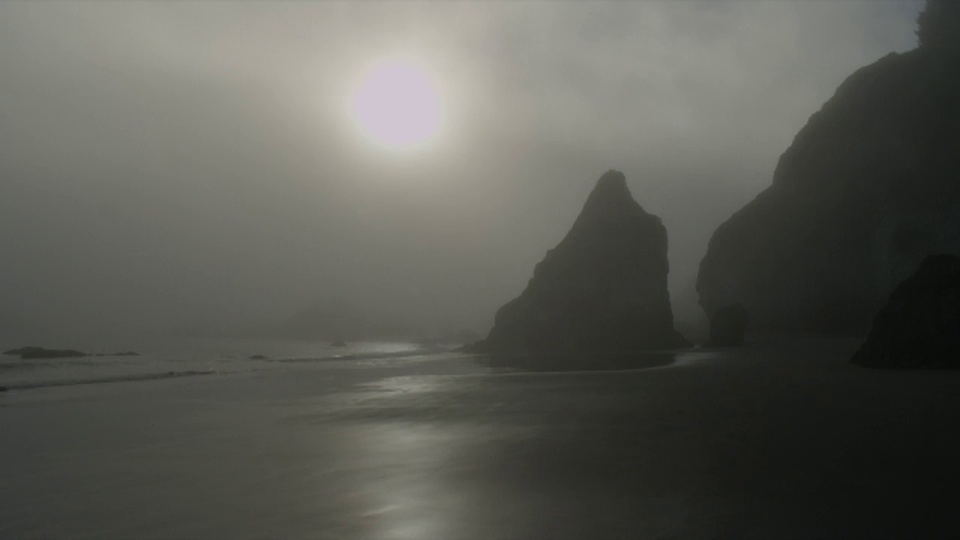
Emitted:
<point x="176" y="163"/>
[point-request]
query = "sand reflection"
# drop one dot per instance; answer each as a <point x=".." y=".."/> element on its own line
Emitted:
<point x="402" y="493"/>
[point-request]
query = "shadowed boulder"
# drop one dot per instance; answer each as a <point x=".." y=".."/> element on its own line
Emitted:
<point x="919" y="327"/>
<point x="603" y="288"/>
<point x="728" y="326"/>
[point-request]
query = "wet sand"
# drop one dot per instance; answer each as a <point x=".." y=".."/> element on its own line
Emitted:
<point x="781" y="439"/>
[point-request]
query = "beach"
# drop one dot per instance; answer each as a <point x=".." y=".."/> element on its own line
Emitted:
<point x="778" y="439"/>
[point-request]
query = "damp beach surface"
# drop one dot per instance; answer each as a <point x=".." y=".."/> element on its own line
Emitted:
<point x="779" y="439"/>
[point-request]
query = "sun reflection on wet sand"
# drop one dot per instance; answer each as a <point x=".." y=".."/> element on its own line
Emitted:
<point x="401" y="496"/>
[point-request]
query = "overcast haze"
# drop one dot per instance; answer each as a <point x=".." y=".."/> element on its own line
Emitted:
<point x="169" y="164"/>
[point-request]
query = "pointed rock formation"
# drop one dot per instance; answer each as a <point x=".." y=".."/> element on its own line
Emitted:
<point x="920" y="326"/>
<point x="603" y="288"/>
<point x="868" y="188"/>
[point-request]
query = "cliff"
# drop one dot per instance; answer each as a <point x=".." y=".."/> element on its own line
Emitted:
<point x="868" y="188"/>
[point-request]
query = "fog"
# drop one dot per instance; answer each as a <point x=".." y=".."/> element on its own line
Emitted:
<point x="172" y="164"/>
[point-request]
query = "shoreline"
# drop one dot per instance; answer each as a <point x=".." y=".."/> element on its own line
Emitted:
<point x="766" y="441"/>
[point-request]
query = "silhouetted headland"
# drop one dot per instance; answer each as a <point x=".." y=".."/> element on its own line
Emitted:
<point x="866" y="191"/>
<point x="603" y="288"/>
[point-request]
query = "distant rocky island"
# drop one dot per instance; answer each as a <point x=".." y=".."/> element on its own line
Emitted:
<point x="602" y="289"/>
<point x="868" y="189"/>
<point x="36" y="353"/>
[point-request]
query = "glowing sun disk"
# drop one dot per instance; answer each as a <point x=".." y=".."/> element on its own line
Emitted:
<point x="397" y="105"/>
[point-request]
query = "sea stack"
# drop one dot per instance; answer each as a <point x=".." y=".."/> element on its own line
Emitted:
<point x="866" y="191"/>
<point x="919" y="327"/>
<point x="602" y="289"/>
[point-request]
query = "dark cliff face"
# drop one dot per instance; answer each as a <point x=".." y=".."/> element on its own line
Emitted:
<point x="603" y="288"/>
<point x="869" y="187"/>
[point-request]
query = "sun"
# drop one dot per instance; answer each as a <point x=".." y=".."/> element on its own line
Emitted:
<point x="397" y="105"/>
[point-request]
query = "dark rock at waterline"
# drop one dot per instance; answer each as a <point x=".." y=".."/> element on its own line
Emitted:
<point x="728" y="325"/>
<point x="52" y="353"/>
<point x="603" y="288"/>
<point x="866" y="191"/>
<point x="32" y="353"/>
<point x="258" y="357"/>
<point x="338" y="343"/>
<point x="36" y="353"/>
<point x="919" y="327"/>
<point x="21" y="350"/>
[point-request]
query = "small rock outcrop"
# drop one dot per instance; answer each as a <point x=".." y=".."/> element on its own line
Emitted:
<point x="919" y="327"/>
<point x="603" y="288"/>
<point x="728" y="325"/>
<point x="866" y="191"/>
<point x="37" y="353"/>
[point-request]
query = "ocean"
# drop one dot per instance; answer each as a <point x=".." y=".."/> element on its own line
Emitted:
<point x="191" y="358"/>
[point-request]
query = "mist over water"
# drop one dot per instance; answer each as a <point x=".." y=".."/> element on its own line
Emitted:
<point x="191" y="358"/>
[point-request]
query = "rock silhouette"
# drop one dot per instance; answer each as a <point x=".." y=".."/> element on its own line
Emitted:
<point x="728" y="325"/>
<point x="603" y="288"/>
<point x="38" y="353"/>
<point x="939" y="24"/>
<point x="919" y="327"/>
<point x="866" y="191"/>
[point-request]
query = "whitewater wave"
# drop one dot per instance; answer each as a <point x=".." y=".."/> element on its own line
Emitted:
<point x="17" y="374"/>
<point x="115" y="379"/>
